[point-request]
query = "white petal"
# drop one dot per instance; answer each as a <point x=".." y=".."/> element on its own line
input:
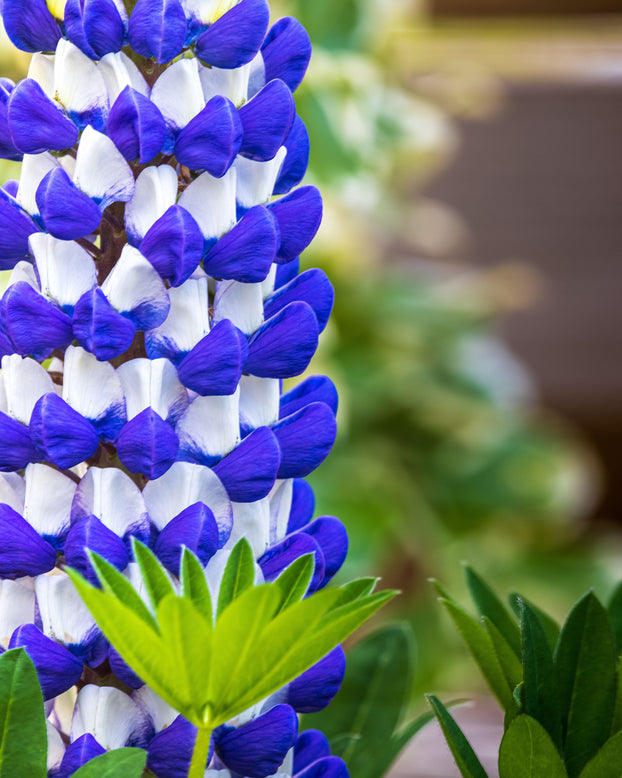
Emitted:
<point x="207" y="11"/>
<point x="113" y="497"/>
<point x="178" y="93"/>
<point x="280" y="499"/>
<point x="152" y="383"/>
<point x="41" y="70"/>
<point x="252" y="521"/>
<point x="64" y="616"/>
<point x="66" y="271"/>
<point x="156" y="191"/>
<point x="118" y="71"/>
<point x="110" y="715"/>
<point x="12" y="490"/>
<point x="259" y="401"/>
<point x="267" y="285"/>
<point x="24" y="382"/>
<point x="257" y="75"/>
<point x="78" y="84"/>
<point x="241" y="303"/>
<point x="211" y="425"/>
<point x="212" y="203"/>
<point x="188" y="320"/>
<point x="91" y="387"/>
<point x="134" y="281"/>
<point x="56" y="747"/>
<point x="101" y="172"/>
<point x="160" y="713"/>
<point x="181" y="486"/>
<point x="17" y="607"/>
<point x="256" y="180"/>
<point x="48" y="498"/>
<point x="232" y="84"/>
<point x="34" y="168"/>
<point x="24" y="271"/>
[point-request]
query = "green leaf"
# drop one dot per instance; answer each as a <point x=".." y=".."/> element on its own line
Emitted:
<point x="586" y="669"/>
<point x="294" y="580"/>
<point x="510" y="663"/>
<point x="616" y="724"/>
<point x="194" y="584"/>
<point x="480" y="645"/>
<point x="549" y="625"/>
<point x="121" y="763"/>
<point x="608" y="761"/>
<point x="490" y="606"/>
<point x="614" y="609"/>
<point x="354" y="590"/>
<point x="157" y="582"/>
<point x="466" y="760"/>
<point x="527" y="751"/>
<point x="23" y="734"/>
<point x="540" y="691"/>
<point x="239" y="574"/>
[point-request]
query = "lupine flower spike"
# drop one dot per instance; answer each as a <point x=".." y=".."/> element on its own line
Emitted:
<point x="154" y="308"/>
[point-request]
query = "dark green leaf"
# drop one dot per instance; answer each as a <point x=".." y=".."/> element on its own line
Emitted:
<point x="527" y="751"/>
<point x="549" y="625"/>
<point x="608" y="761"/>
<point x="121" y="763"/>
<point x="23" y="734"/>
<point x="616" y="724"/>
<point x="157" y="582"/>
<point x="294" y="581"/>
<point x="540" y="692"/>
<point x="239" y="574"/>
<point x="466" y="760"/>
<point x="614" y="609"/>
<point x="489" y="605"/>
<point x="194" y="584"/>
<point x="510" y="663"/>
<point x="586" y="669"/>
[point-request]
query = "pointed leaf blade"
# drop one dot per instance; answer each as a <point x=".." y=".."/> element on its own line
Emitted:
<point x="490" y="606"/>
<point x="157" y="582"/>
<point x="126" y="762"/>
<point x="239" y="574"/>
<point x="294" y="580"/>
<point x="466" y="760"/>
<point x="194" y="584"/>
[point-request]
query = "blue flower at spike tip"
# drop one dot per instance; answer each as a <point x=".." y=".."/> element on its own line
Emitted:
<point x="154" y="308"/>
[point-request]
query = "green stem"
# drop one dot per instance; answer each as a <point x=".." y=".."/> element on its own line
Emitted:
<point x="201" y="752"/>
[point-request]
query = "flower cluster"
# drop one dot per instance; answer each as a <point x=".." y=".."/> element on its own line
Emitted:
<point x="154" y="308"/>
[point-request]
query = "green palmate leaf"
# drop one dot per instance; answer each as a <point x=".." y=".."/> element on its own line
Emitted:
<point x="586" y="669"/>
<point x="490" y="606"/>
<point x="117" y="585"/>
<point x="239" y="574"/>
<point x="354" y="590"/>
<point x="23" y="735"/>
<point x="294" y="580"/>
<point x="510" y="663"/>
<point x="540" y="692"/>
<point x="194" y="584"/>
<point x="527" y="751"/>
<point x="466" y="760"/>
<point x="157" y="582"/>
<point x="480" y="645"/>
<point x="608" y="761"/>
<point x="549" y="625"/>
<point x="121" y="763"/>
<point x="614" y="609"/>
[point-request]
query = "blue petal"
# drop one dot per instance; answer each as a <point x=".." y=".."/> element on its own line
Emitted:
<point x="30" y="25"/>
<point x="63" y="437"/>
<point x="74" y="27"/>
<point x="15" y="229"/>
<point x="299" y="216"/>
<point x="235" y="38"/>
<point x="148" y="444"/>
<point x="297" y="160"/>
<point x="122" y="670"/>
<point x="11" y="187"/>
<point x="34" y="325"/>
<point x="16" y="447"/>
<point x="286" y="52"/>
<point x="258" y="748"/>
<point x="170" y="751"/>
<point x="174" y="245"/>
<point x="214" y="365"/>
<point x="94" y="26"/>
<point x="284" y="345"/>
<point x="314" y="690"/>
<point x="329" y="767"/>
<point x="249" y="471"/>
<point x="316" y="388"/>
<point x="79" y="753"/>
<point x="90" y="533"/>
<point x="280" y="556"/>
<point x="7" y="149"/>
<point x="305" y="437"/>
<point x="311" y="745"/>
<point x="267" y="120"/>
<point x="57" y="669"/>
<point x="99" y="328"/>
<point x="36" y="123"/>
<point x="158" y="29"/>
<point x="22" y="551"/>
<point x="196" y="529"/>
<point x="211" y="140"/>
<point x="313" y="288"/>
<point x="136" y="126"/>
<point x="286" y="273"/>
<point x="303" y="505"/>
<point x="247" y="251"/>
<point x="331" y="536"/>
<point x="67" y="213"/>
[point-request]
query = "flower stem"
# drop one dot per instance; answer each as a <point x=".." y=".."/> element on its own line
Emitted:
<point x="201" y="753"/>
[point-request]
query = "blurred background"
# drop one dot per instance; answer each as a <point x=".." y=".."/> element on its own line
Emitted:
<point x="469" y="156"/>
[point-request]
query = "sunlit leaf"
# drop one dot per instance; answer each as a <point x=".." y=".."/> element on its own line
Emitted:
<point x="194" y="584"/>
<point x="157" y="582"/>
<point x="120" y="763"/>
<point x="239" y="574"/>
<point x="294" y="580"/>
